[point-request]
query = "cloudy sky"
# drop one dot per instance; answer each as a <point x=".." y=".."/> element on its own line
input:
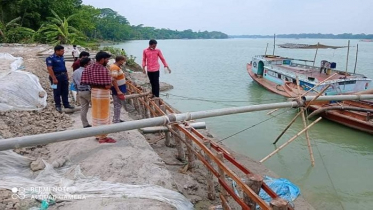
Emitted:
<point x="237" y="17"/>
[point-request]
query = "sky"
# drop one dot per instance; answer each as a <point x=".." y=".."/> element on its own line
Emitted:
<point x="248" y="17"/>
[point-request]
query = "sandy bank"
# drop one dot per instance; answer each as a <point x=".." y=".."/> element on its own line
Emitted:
<point x="134" y="159"/>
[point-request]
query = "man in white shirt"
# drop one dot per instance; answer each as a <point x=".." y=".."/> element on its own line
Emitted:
<point x="75" y="53"/>
<point x="83" y="90"/>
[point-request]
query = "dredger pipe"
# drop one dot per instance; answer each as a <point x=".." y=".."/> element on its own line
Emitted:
<point x="47" y="138"/>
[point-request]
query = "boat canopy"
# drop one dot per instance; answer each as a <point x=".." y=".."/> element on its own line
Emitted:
<point x="308" y="46"/>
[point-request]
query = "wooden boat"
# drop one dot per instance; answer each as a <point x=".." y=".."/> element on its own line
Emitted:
<point x="354" y="114"/>
<point x="279" y="75"/>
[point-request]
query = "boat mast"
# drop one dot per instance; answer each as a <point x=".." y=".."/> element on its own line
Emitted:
<point x="314" y="59"/>
<point x="348" y="52"/>
<point x="357" y="50"/>
<point x="266" y="50"/>
<point x="274" y="44"/>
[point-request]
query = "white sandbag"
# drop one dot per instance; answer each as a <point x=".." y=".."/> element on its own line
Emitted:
<point x="9" y="63"/>
<point x="20" y="90"/>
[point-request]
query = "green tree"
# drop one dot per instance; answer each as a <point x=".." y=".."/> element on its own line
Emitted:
<point x="58" y="31"/>
<point x="13" y="32"/>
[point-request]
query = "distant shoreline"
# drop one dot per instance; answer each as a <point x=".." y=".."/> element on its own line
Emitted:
<point x="309" y="36"/>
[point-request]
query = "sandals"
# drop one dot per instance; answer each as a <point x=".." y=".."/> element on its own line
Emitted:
<point x="106" y="140"/>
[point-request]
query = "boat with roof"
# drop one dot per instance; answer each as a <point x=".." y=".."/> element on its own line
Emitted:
<point x="280" y="74"/>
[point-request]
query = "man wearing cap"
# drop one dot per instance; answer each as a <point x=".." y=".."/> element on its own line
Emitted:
<point x="59" y="78"/>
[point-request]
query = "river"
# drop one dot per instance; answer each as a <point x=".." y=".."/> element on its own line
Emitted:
<point x="211" y="74"/>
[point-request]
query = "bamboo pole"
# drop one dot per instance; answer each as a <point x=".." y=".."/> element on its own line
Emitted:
<point x="191" y="156"/>
<point x="167" y="141"/>
<point x="308" y="138"/>
<point x="147" y="109"/>
<point x="140" y="110"/>
<point x="254" y="181"/>
<point x="314" y="59"/>
<point x="143" y="107"/>
<point x="318" y="84"/>
<point x="287" y="127"/>
<point x="357" y="50"/>
<point x="209" y="175"/>
<point x="224" y="203"/>
<point x="290" y="140"/>
<point x="299" y="113"/>
<point x="348" y="52"/>
<point x="266" y="50"/>
<point x="302" y="110"/>
<point x="179" y="146"/>
<point x="220" y="155"/>
<point x="274" y="44"/>
<point x="272" y="111"/>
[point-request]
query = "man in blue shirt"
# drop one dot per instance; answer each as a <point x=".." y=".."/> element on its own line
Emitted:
<point x="59" y="78"/>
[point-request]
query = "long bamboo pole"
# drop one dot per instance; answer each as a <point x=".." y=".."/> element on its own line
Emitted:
<point x="318" y="84"/>
<point x="299" y="113"/>
<point x="348" y="52"/>
<point x="290" y="140"/>
<point x="302" y="110"/>
<point x="357" y="50"/>
<point x="266" y="50"/>
<point x="307" y="137"/>
<point x="314" y="59"/>
<point x="274" y="44"/>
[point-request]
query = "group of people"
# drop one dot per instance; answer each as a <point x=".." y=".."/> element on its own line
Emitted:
<point x="95" y="82"/>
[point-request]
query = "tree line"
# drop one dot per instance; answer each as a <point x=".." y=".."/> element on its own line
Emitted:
<point x="72" y="22"/>
<point x="310" y="36"/>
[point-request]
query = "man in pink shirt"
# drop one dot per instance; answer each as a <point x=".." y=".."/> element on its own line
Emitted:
<point x="150" y="59"/>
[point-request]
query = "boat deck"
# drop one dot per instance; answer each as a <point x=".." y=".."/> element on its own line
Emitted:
<point x="311" y="72"/>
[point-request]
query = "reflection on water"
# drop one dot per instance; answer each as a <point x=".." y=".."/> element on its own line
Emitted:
<point x="216" y="70"/>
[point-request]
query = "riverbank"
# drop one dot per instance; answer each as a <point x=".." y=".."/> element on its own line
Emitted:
<point x="135" y="159"/>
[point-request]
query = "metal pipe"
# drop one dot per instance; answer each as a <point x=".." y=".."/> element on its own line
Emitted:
<point x="40" y="139"/>
<point x="197" y="125"/>
<point x="234" y="110"/>
<point x="339" y="97"/>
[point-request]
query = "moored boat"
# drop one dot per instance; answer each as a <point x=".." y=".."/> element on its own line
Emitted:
<point x="280" y="75"/>
<point x="354" y="114"/>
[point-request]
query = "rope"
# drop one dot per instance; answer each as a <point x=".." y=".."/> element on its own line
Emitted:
<point x="214" y="101"/>
<point x="251" y="126"/>
<point x="326" y="169"/>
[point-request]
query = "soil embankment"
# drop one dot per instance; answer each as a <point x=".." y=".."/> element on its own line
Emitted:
<point x="135" y="159"/>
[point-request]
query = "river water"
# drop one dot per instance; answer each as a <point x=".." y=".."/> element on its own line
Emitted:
<point x="211" y="74"/>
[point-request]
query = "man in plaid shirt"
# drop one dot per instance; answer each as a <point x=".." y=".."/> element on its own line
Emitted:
<point x="98" y="77"/>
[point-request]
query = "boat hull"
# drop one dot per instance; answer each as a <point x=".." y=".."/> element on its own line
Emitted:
<point x="362" y="121"/>
<point x="352" y="119"/>
<point x="283" y="90"/>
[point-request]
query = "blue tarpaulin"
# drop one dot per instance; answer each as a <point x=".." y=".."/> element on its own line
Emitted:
<point x="282" y="187"/>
